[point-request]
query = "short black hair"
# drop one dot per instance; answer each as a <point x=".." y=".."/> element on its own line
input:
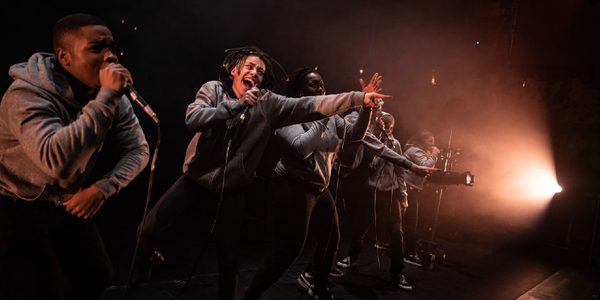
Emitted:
<point x="293" y="87"/>
<point x="419" y="138"/>
<point x="387" y="116"/>
<point x="70" y="23"/>
<point x="235" y="56"/>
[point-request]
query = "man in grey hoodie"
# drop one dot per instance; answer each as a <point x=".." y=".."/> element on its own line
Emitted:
<point x="233" y="121"/>
<point x="421" y="150"/>
<point x="55" y="120"/>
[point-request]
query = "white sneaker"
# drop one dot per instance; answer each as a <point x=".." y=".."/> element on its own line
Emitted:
<point x="401" y="282"/>
<point x="345" y="262"/>
<point x="305" y="280"/>
<point x="413" y="260"/>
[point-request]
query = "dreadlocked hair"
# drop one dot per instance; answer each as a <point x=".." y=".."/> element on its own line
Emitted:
<point x="236" y="56"/>
<point x="293" y="86"/>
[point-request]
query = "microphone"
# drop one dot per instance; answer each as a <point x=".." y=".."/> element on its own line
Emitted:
<point x="233" y="124"/>
<point x="134" y="96"/>
<point x="261" y="92"/>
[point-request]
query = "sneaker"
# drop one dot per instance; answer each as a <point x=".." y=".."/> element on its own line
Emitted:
<point x="305" y="280"/>
<point x="413" y="260"/>
<point x="320" y="294"/>
<point x="345" y="263"/>
<point x="382" y="246"/>
<point x="401" y="282"/>
<point x="336" y="272"/>
<point x="142" y="267"/>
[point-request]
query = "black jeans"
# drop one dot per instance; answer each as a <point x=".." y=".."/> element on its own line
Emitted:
<point x="46" y="253"/>
<point x="296" y="211"/>
<point x="411" y="221"/>
<point x="361" y="214"/>
<point x="177" y="201"/>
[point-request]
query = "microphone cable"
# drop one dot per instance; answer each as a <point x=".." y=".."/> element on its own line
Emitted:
<point x="146" y="205"/>
<point x="335" y="198"/>
<point x="236" y="126"/>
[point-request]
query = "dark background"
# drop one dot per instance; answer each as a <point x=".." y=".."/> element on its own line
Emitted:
<point x="502" y="68"/>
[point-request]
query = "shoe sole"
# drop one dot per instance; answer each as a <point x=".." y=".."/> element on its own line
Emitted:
<point x="303" y="282"/>
<point x="406" y="289"/>
<point x="336" y="275"/>
<point x="413" y="263"/>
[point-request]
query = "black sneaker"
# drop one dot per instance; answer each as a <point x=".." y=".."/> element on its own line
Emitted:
<point x="320" y="294"/>
<point x="382" y="246"/>
<point x="345" y="262"/>
<point x="336" y="272"/>
<point x="401" y="282"/>
<point x="142" y="268"/>
<point x="305" y="280"/>
<point x="414" y="260"/>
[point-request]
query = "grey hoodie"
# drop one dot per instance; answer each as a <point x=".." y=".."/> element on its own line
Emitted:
<point x="419" y="157"/>
<point x="308" y="149"/>
<point x="386" y="176"/>
<point x="227" y="148"/>
<point x="49" y="142"/>
<point x="352" y="157"/>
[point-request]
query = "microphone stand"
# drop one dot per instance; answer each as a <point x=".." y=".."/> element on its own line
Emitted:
<point x="431" y="248"/>
<point x="447" y="167"/>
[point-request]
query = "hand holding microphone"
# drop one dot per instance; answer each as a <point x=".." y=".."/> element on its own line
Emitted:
<point x="250" y="97"/>
<point x="115" y="77"/>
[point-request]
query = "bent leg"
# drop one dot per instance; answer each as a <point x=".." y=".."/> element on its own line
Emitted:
<point x="290" y="210"/>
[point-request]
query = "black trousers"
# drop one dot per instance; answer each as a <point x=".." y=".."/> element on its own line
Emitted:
<point x="178" y="200"/>
<point x="46" y="253"/>
<point x="365" y="206"/>
<point x="296" y="211"/>
<point x="411" y="221"/>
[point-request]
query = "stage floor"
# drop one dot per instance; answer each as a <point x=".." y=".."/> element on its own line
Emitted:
<point x="476" y="267"/>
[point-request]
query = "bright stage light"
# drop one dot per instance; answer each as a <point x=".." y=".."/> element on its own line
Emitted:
<point x="540" y="185"/>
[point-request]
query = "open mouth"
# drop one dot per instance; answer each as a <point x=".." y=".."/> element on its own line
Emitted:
<point x="248" y="83"/>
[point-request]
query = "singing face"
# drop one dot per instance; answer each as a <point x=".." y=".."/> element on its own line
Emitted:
<point x="247" y="74"/>
<point x="429" y="142"/>
<point x="388" y="125"/>
<point x="313" y="85"/>
<point x="85" y="51"/>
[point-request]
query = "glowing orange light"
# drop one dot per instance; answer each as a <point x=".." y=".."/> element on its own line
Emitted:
<point x="537" y="184"/>
<point x="543" y="186"/>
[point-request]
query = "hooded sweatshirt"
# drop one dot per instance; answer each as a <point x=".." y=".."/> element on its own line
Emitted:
<point x="230" y="138"/>
<point x="49" y="142"/>
<point x="386" y="176"/>
<point x="419" y="157"/>
<point x="354" y="162"/>
<point x="308" y="149"/>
